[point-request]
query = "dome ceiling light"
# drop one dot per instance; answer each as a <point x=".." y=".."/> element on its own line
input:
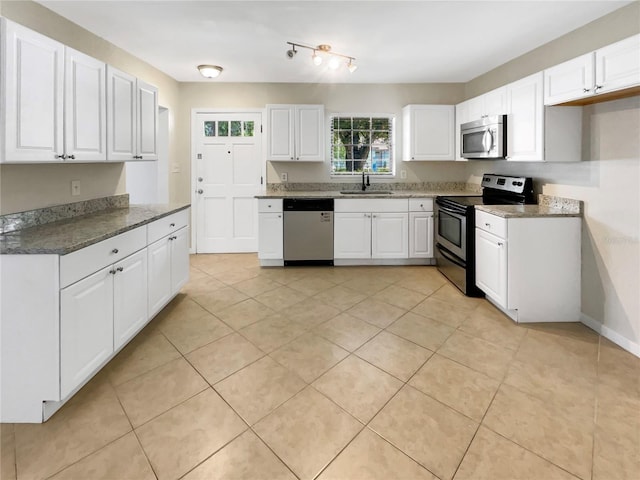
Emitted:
<point x="322" y="51"/>
<point x="210" y="71"/>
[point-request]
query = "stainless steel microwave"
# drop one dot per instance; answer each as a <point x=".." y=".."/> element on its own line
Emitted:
<point x="485" y="138"/>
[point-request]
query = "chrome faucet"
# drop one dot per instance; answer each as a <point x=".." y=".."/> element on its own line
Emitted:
<point x="364" y="186"/>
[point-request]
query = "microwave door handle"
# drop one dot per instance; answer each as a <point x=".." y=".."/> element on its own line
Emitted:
<point x="487" y="140"/>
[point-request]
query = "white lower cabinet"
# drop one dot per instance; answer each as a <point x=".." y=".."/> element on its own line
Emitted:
<point x="352" y="235"/>
<point x="421" y="228"/>
<point x="389" y="235"/>
<point x="168" y="268"/>
<point x="530" y="267"/>
<point x="86" y="328"/>
<point x="61" y="326"/>
<point x="270" y="232"/>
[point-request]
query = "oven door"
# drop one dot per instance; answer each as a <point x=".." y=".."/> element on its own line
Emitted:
<point x="451" y="231"/>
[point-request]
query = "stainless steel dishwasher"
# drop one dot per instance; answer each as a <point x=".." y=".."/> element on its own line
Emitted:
<point x="308" y="231"/>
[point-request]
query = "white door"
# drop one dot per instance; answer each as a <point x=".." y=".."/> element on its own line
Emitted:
<point x="121" y="116"/>
<point x="159" y="275"/>
<point x="352" y="235"/>
<point x="280" y="131"/>
<point x="420" y="235"/>
<point x="85" y="101"/>
<point x="525" y="124"/>
<point x="309" y="133"/>
<point x="147" y="102"/>
<point x="569" y="80"/>
<point x="86" y="328"/>
<point x="129" y="297"/>
<point x="227" y="176"/>
<point x="179" y="259"/>
<point x="491" y="266"/>
<point x="270" y="241"/>
<point x="33" y="113"/>
<point x="618" y="65"/>
<point x="432" y="132"/>
<point x="389" y="235"/>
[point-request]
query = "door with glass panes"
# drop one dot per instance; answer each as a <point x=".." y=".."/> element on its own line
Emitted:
<point x="227" y="176"/>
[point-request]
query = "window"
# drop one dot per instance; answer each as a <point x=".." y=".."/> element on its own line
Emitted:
<point x="362" y="143"/>
<point x="238" y="129"/>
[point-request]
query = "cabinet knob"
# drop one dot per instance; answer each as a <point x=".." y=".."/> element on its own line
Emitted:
<point x="200" y="191"/>
<point x="63" y="156"/>
<point x="421" y="205"/>
<point x="586" y="90"/>
<point x="120" y="269"/>
<point x="279" y="216"/>
<point x="597" y="87"/>
<point x="172" y="224"/>
<point x="115" y="250"/>
<point x="200" y="179"/>
<point x="291" y="158"/>
<point x="71" y="157"/>
<point x="112" y="271"/>
<point x="500" y="244"/>
<point x="487" y="225"/>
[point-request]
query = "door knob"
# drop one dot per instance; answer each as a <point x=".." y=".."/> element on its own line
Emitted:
<point x="200" y="191"/>
<point x="200" y="179"/>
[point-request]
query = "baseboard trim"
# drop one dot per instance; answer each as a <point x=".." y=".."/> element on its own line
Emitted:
<point x="615" y="337"/>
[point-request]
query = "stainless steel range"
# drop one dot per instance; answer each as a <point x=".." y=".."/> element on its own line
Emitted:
<point x="455" y="224"/>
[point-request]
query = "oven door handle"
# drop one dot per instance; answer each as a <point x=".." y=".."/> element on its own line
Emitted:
<point x="487" y="141"/>
<point x="449" y="256"/>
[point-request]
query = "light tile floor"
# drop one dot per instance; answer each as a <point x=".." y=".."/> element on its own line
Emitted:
<point x="341" y="373"/>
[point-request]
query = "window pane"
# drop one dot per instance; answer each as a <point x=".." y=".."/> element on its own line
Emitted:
<point x="361" y="137"/>
<point x="361" y="152"/>
<point x="343" y="123"/>
<point x="236" y="128"/>
<point x="248" y="129"/>
<point x="361" y="123"/>
<point x="380" y="124"/>
<point x="339" y="152"/>
<point x="209" y="129"/>
<point x="380" y="138"/>
<point x="223" y="129"/>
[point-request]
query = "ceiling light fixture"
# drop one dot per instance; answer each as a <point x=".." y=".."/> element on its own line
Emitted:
<point x="210" y="71"/>
<point x="324" y="50"/>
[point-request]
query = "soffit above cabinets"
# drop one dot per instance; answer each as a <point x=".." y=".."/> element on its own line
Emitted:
<point x="393" y="41"/>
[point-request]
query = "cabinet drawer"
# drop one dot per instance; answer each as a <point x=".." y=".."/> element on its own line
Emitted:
<point x="381" y="205"/>
<point x="79" y="264"/>
<point x="166" y="225"/>
<point x="421" y="204"/>
<point x="491" y="223"/>
<point x="267" y="205"/>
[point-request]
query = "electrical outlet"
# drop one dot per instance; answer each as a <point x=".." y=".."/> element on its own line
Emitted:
<point x="403" y="174"/>
<point x="75" y="188"/>
<point x="284" y="176"/>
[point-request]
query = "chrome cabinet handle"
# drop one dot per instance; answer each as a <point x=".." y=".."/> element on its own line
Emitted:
<point x="279" y="216"/>
<point x="200" y="179"/>
<point x="586" y="90"/>
<point x="487" y="225"/>
<point x="597" y="87"/>
<point x="112" y="271"/>
<point x="200" y="191"/>
<point x="63" y="156"/>
<point x="120" y="269"/>
<point x="115" y="250"/>
<point x="71" y="157"/>
<point x="172" y="224"/>
<point x="500" y="244"/>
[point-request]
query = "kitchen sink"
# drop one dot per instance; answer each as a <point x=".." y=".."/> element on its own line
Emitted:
<point x="366" y="192"/>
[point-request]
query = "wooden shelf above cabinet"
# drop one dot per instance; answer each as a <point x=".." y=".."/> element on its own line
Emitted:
<point x="603" y="97"/>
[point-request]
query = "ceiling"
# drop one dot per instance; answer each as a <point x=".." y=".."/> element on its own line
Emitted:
<point x="393" y="41"/>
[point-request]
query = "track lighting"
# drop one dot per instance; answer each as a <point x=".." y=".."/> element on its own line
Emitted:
<point x="321" y="51"/>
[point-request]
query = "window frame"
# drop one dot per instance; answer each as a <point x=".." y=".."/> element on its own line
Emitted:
<point x="392" y="139"/>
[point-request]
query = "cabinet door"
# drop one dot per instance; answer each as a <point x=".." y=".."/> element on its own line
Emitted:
<point x="491" y="266"/>
<point x="420" y="235"/>
<point x="475" y="108"/>
<point x="129" y="297"/>
<point x="390" y="235"/>
<point x="431" y="132"/>
<point x="159" y="275"/>
<point x="462" y="116"/>
<point x="495" y="102"/>
<point x="85" y="118"/>
<point x="86" y="328"/>
<point x="179" y="259"/>
<point x="618" y="65"/>
<point x="280" y="119"/>
<point x="121" y="116"/>
<point x="32" y="96"/>
<point x="525" y="123"/>
<point x="270" y="236"/>
<point x="351" y="235"/>
<point x="569" y="80"/>
<point x="147" y="102"/>
<point x="309" y="133"/>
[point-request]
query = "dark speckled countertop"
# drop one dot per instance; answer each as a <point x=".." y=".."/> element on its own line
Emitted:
<point x="71" y="234"/>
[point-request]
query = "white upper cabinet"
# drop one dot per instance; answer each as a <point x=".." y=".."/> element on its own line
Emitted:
<point x="611" y="68"/>
<point x="85" y="117"/>
<point x="525" y="122"/>
<point x="618" y="65"/>
<point x="32" y="96"/>
<point x="428" y="132"/>
<point x="494" y="102"/>
<point x="132" y="116"/>
<point x="295" y="133"/>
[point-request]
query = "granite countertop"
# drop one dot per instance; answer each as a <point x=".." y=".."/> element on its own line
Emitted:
<point x="337" y="194"/>
<point x="528" y="211"/>
<point x="71" y="234"/>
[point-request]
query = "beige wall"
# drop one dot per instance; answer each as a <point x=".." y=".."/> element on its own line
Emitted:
<point x="365" y="98"/>
<point x="619" y="24"/>
<point x="24" y="187"/>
